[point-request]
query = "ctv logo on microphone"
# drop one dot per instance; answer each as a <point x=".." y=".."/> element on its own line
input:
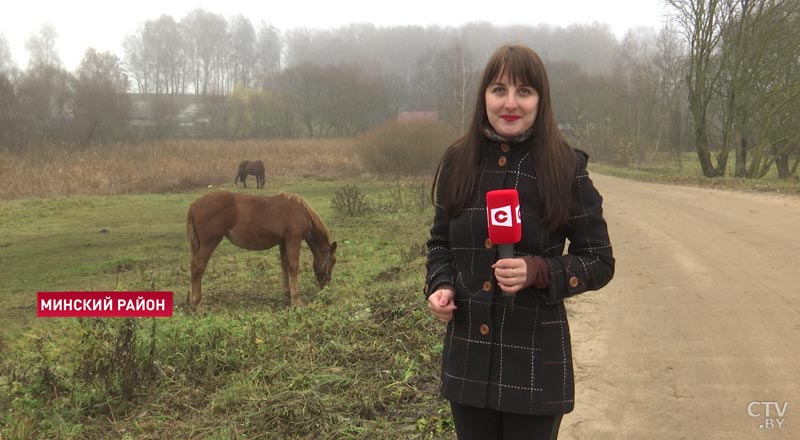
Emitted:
<point x="502" y="216"/>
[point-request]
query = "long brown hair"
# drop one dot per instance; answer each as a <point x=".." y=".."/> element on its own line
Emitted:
<point x="553" y="159"/>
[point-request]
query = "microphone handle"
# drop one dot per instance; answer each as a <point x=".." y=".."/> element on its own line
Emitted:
<point x="507" y="251"/>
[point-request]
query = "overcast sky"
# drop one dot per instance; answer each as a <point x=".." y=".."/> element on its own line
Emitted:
<point x="103" y="24"/>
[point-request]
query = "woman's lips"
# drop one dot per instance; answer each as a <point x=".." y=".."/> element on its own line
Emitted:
<point x="510" y="118"/>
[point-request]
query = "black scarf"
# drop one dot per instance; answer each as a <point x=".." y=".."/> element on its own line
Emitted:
<point x="489" y="133"/>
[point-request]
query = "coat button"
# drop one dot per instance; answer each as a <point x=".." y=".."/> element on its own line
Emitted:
<point x="573" y="282"/>
<point x="488" y="244"/>
<point x="505" y="148"/>
<point x="487" y="286"/>
<point x="502" y="161"/>
<point x="484" y="330"/>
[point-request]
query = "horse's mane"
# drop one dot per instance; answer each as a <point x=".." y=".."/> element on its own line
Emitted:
<point x="316" y="221"/>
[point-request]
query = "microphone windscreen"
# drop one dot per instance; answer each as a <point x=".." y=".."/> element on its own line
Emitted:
<point x="503" y="216"/>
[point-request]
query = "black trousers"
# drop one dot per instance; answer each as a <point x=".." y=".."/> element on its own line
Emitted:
<point x="487" y="424"/>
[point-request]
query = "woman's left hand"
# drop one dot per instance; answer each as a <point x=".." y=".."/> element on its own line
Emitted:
<point x="511" y="274"/>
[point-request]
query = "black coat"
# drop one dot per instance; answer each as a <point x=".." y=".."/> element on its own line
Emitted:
<point x="515" y="360"/>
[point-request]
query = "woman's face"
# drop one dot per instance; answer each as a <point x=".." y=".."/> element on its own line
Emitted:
<point x="511" y="108"/>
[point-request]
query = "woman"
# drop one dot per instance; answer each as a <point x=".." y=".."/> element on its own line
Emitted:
<point x="507" y="371"/>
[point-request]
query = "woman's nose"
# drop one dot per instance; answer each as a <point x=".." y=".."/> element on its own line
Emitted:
<point x="511" y="102"/>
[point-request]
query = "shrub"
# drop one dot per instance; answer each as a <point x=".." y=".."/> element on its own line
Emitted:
<point x="406" y="197"/>
<point x="403" y="150"/>
<point x="110" y="356"/>
<point x="349" y="201"/>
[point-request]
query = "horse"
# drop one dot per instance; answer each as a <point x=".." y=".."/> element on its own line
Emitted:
<point x="258" y="223"/>
<point x="254" y="167"/>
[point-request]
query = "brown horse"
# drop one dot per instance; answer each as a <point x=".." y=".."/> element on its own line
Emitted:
<point x="258" y="223"/>
<point x="254" y="167"/>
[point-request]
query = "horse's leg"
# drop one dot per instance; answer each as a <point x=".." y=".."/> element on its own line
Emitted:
<point x="284" y="269"/>
<point x="199" y="263"/>
<point x="293" y="264"/>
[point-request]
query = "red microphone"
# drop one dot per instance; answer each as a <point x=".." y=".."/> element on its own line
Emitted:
<point x="503" y="218"/>
<point x="505" y="225"/>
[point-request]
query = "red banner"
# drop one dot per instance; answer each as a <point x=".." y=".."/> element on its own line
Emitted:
<point x="104" y="304"/>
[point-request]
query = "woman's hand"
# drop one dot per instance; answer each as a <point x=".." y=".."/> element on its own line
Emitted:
<point x="441" y="303"/>
<point x="515" y="274"/>
<point x="511" y="274"/>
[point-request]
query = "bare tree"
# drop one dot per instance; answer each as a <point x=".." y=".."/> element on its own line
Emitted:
<point x="763" y="46"/>
<point x="155" y="58"/>
<point x="163" y="39"/>
<point x="138" y="59"/>
<point x="205" y="35"/>
<point x="428" y="80"/>
<point x="353" y="98"/>
<point x="637" y="76"/>
<point x="701" y="22"/>
<point x="46" y="98"/>
<point x="243" y="51"/>
<point x="6" y="61"/>
<point x="304" y="84"/>
<point x="9" y="112"/>
<point x="741" y="54"/>
<point x="460" y="77"/>
<point x="669" y="68"/>
<point x="42" y="47"/>
<point x="101" y="105"/>
<point x="267" y="54"/>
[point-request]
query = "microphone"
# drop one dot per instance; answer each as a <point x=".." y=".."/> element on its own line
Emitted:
<point x="505" y="223"/>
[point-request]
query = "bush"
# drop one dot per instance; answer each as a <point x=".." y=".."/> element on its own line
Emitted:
<point x="349" y="201"/>
<point x="405" y="197"/>
<point x="404" y="150"/>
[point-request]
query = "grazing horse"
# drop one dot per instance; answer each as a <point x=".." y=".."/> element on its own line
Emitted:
<point x="254" y="167"/>
<point x="257" y="223"/>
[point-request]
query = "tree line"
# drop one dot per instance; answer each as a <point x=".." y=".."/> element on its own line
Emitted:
<point x="720" y="77"/>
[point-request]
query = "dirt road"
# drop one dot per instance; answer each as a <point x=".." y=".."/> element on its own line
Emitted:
<point x="701" y="319"/>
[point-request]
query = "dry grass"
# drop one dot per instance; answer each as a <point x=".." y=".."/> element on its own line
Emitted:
<point x="166" y="166"/>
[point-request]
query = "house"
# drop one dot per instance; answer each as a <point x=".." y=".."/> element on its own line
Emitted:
<point x="184" y="115"/>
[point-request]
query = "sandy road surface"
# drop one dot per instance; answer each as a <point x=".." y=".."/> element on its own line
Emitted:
<point x="702" y="318"/>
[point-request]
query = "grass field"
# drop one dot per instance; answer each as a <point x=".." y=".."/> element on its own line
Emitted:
<point x="360" y="360"/>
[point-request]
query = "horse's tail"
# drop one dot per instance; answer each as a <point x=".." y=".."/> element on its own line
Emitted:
<point x="191" y="232"/>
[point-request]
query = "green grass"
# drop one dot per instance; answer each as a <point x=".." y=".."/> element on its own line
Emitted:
<point x="359" y="361"/>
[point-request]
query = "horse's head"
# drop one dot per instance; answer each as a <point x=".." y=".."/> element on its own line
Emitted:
<point x="323" y="265"/>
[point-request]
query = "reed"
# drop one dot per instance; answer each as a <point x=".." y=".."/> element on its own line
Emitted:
<point x="166" y="166"/>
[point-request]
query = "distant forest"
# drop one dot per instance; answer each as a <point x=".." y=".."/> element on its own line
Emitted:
<point x="721" y="78"/>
